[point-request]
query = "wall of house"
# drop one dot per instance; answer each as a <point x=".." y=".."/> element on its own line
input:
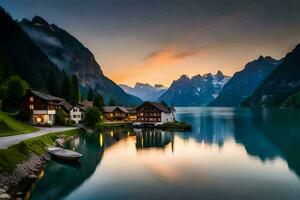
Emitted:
<point x="76" y="115"/>
<point x="166" y="117"/>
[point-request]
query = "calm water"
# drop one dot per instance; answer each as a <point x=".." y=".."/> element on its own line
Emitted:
<point x="230" y="154"/>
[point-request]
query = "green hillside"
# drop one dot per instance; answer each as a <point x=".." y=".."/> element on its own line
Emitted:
<point x="11" y="126"/>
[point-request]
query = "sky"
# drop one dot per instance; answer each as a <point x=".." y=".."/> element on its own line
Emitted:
<point x="157" y="41"/>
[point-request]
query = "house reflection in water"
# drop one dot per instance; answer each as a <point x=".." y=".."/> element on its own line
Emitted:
<point x="153" y="139"/>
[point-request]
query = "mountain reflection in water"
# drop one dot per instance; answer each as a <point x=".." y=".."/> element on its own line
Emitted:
<point x="230" y="154"/>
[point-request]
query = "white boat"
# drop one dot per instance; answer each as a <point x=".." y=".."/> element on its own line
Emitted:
<point x="63" y="153"/>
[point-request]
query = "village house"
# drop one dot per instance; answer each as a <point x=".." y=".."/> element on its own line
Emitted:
<point x="154" y="113"/>
<point x="41" y="106"/>
<point x="115" y="113"/>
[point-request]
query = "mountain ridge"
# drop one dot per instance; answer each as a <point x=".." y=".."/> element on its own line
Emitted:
<point x="198" y="90"/>
<point x="244" y="82"/>
<point x="70" y="55"/>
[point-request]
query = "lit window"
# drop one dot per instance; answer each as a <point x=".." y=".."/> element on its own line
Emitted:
<point x="31" y="99"/>
<point x="31" y="107"/>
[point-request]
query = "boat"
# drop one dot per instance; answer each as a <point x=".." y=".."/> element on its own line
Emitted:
<point x="64" y="154"/>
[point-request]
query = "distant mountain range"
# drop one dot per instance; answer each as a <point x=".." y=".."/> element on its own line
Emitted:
<point x="283" y="82"/>
<point x="196" y="91"/>
<point x="144" y="91"/>
<point x="243" y="83"/>
<point x="66" y="52"/>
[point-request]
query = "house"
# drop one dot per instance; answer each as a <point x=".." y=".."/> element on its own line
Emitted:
<point x="40" y="105"/>
<point x="154" y="113"/>
<point x="43" y="107"/>
<point x="76" y="113"/>
<point x="116" y="113"/>
<point x="73" y="113"/>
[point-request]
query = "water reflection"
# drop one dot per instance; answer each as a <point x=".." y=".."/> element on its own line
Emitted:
<point x="153" y="138"/>
<point x="230" y="154"/>
<point x="265" y="134"/>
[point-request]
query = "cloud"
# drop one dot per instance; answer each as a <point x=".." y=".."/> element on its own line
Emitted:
<point x="169" y="55"/>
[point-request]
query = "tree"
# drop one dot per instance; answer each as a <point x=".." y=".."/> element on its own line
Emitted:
<point x="11" y="91"/>
<point x="74" y="89"/>
<point x="99" y="102"/>
<point x="90" y="96"/>
<point x="111" y="102"/>
<point x="91" y="117"/>
<point x="52" y="84"/>
<point x="66" y="87"/>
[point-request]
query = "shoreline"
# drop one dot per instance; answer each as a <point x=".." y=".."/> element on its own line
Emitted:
<point x="16" y="183"/>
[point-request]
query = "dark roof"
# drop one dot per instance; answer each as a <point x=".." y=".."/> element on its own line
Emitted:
<point x="160" y="106"/>
<point x="110" y="109"/>
<point x="43" y="95"/>
<point x="66" y="105"/>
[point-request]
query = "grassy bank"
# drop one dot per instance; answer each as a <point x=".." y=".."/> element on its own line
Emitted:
<point x="175" y="126"/>
<point x="18" y="153"/>
<point x="10" y="126"/>
<point x="108" y="125"/>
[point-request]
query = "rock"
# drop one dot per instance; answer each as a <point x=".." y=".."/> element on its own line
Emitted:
<point x="19" y="194"/>
<point x="4" y="197"/>
<point x="2" y="191"/>
<point x="35" y="170"/>
<point x="32" y="176"/>
<point x="46" y="158"/>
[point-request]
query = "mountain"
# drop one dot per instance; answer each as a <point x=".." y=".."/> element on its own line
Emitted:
<point x="73" y="57"/>
<point x="196" y="91"/>
<point x="19" y="55"/>
<point x="244" y="82"/>
<point x="281" y="83"/>
<point x="144" y="91"/>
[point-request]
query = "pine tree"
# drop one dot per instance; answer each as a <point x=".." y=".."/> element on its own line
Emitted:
<point x="52" y="85"/>
<point x="90" y="96"/>
<point x="74" y="89"/>
<point x="66" y="87"/>
<point x="111" y="102"/>
<point x="99" y="102"/>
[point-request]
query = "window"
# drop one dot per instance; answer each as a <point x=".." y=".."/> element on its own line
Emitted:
<point x="74" y="116"/>
<point x="31" y="99"/>
<point x="31" y="107"/>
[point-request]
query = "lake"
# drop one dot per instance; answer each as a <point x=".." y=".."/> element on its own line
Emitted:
<point x="230" y="154"/>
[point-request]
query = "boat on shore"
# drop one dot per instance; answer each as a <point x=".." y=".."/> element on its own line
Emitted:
<point x="63" y="154"/>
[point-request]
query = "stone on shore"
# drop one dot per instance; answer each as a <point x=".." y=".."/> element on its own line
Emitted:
<point x="32" y="176"/>
<point x="4" y="197"/>
<point x="2" y="191"/>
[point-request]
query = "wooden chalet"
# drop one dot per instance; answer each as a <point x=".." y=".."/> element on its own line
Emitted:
<point x="40" y="105"/>
<point x="154" y="113"/>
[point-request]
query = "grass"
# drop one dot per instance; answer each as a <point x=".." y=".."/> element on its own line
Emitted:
<point x="10" y="157"/>
<point x="175" y="126"/>
<point x="10" y="126"/>
<point x="104" y="125"/>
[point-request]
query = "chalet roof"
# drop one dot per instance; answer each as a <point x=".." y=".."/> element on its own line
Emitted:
<point x="66" y="105"/>
<point x="160" y="106"/>
<point x="109" y="109"/>
<point x="43" y="95"/>
<point x="86" y="104"/>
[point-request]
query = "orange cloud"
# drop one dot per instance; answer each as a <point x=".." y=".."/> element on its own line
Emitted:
<point x="168" y="56"/>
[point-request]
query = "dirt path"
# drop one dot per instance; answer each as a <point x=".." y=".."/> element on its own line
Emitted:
<point x="15" y="139"/>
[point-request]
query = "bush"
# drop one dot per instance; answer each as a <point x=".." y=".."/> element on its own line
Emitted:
<point x="60" y="118"/>
<point x="91" y="117"/>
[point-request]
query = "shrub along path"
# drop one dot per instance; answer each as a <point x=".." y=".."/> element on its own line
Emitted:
<point x="15" y="139"/>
